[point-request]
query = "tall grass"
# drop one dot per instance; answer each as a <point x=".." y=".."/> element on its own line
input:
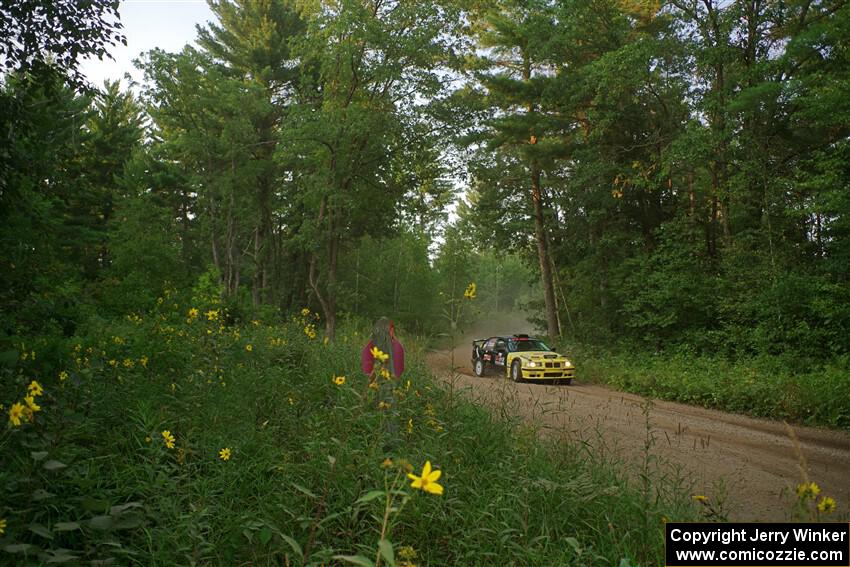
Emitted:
<point x="312" y="464"/>
<point x="760" y="387"/>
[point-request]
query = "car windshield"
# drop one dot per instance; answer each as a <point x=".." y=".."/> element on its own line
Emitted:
<point x="524" y="345"/>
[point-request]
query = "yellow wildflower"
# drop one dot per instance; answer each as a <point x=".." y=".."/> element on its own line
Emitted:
<point x="410" y="426"/>
<point x="128" y="363"/>
<point x="406" y="553"/>
<point x="826" y="505"/>
<point x="427" y="481"/>
<point x="15" y="413"/>
<point x="249" y="348"/>
<point x="35" y="389"/>
<point x="255" y="322"/>
<point x="305" y="312"/>
<point x="373" y="385"/>
<point x="224" y="454"/>
<point x="339" y="380"/>
<point x="168" y="438"/>
<point x="470" y="291"/>
<point x="808" y="490"/>
<point x="113" y="363"/>
<point x="212" y="314"/>
<point x="700" y="498"/>
<point x="291" y="401"/>
<point x="144" y="361"/>
<point x="2" y="526"/>
<point x="148" y="439"/>
<point x="388" y="462"/>
<point x="377" y="354"/>
<point x="63" y="376"/>
<point x="31" y="405"/>
<point x="385" y="373"/>
<point x="193" y="313"/>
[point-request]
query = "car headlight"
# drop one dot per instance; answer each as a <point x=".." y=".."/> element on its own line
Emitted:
<point x="532" y="364"/>
<point x="567" y="362"/>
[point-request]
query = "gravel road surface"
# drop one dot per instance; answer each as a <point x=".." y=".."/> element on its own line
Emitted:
<point x="754" y="464"/>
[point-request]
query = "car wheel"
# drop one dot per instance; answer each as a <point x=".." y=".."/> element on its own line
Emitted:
<point x="516" y="371"/>
<point x="478" y="367"/>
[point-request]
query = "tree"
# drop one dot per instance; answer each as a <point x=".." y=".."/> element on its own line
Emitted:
<point x="253" y="40"/>
<point x="364" y="65"/>
<point x="47" y="33"/>
<point x="514" y="75"/>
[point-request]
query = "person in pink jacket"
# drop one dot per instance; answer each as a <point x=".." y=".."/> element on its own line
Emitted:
<point x="383" y="337"/>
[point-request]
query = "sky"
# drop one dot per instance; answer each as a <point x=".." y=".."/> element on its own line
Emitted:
<point x="167" y="24"/>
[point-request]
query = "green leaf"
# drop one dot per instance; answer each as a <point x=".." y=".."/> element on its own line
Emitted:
<point x="128" y="521"/>
<point x="66" y="526"/>
<point x="121" y="508"/>
<point x="574" y="544"/>
<point x="53" y="465"/>
<point x="41" y="494"/>
<point x="355" y="560"/>
<point x="265" y="535"/>
<point x="60" y="556"/>
<point x="20" y="548"/>
<point x="369" y="496"/>
<point x="38" y="529"/>
<point x="101" y="522"/>
<point x="304" y="491"/>
<point x="386" y="549"/>
<point x="38" y="455"/>
<point x="293" y="544"/>
<point x="94" y="505"/>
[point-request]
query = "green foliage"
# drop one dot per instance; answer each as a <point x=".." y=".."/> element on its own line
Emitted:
<point x="41" y="34"/>
<point x="774" y="387"/>
<point x="143" y="261"/>
<point x="92" y="478"/>
<point x="695" y="177"/>
<point x="391" y="277"/>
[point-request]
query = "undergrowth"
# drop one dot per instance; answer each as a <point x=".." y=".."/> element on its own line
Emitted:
<point x="768" y="388"/>
<point x="183" y="437"/>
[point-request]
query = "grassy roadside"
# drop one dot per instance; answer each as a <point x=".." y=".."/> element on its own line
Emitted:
<point x="760" y="387"/>
<point x="314" y="474"/>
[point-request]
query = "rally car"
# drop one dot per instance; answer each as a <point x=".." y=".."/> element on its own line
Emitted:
<point x="521" y="357"/>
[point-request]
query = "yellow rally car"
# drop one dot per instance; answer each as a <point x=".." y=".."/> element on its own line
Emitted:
<point x="521" y="357"/>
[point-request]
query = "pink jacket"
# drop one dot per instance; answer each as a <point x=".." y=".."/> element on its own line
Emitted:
<point x="367" y="361"/>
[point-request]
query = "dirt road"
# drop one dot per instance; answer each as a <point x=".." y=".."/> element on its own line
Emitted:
<point x="755" y="462"/>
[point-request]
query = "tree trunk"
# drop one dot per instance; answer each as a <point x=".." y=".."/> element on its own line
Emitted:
<point x="553" y="329"/>
<point x="330" y="313"/>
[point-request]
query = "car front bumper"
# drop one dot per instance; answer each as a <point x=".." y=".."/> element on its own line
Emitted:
<point x="547" y="373"/>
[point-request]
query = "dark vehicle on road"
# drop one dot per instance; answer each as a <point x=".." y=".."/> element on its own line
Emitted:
<point x="520" y="358"/>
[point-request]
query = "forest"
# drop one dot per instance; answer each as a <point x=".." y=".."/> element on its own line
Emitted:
<point x="650" y="183"/>
<point x="669" y="175"/>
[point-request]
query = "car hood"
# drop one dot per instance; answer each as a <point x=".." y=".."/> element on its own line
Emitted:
<point x="541" y="355"/>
